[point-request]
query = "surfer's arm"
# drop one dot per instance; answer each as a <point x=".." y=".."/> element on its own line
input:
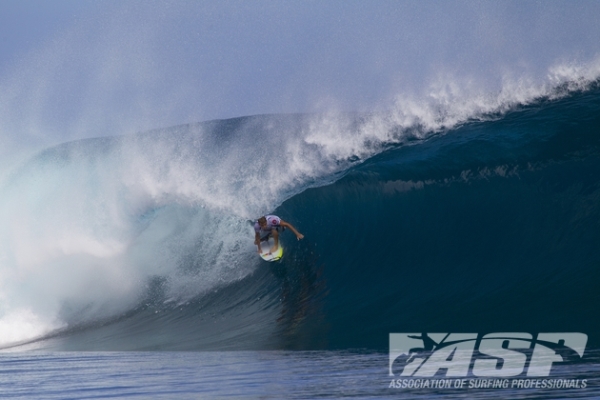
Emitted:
<point x="288" y="225"/>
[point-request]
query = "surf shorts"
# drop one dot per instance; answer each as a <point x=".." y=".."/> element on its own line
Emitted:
<point x="268" y="234"/>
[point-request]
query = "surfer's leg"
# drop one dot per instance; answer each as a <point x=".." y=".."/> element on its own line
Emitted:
<point x="275" y="234"/>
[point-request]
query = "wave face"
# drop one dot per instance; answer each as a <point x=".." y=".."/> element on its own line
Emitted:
<point x="492" y="227"/>
<point x="481" y="221"/>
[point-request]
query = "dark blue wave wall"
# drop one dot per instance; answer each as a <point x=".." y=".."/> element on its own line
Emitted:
<point x="493" y="227"/>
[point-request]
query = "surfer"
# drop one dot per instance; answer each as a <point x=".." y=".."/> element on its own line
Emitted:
<point x="271" y="225"/>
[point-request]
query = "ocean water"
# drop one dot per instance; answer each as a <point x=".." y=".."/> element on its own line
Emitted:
<point x="128" y="267"/>
<point x="245" y="375"/>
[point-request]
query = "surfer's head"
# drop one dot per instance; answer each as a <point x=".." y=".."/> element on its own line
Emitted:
<point x="262" y="222"/>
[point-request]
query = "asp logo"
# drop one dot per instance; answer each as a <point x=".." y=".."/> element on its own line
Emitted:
<point x="490" y="355"/>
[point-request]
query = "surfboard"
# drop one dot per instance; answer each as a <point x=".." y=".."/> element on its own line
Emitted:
<point x="266" y="246"/>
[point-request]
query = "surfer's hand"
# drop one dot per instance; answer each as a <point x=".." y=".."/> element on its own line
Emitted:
<point x="300" y="236"/>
